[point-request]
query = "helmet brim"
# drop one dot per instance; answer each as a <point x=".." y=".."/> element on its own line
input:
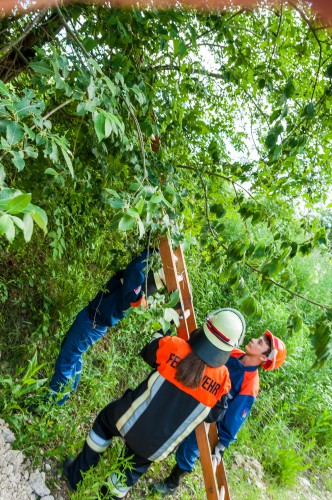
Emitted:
<point x="206" y="351"/>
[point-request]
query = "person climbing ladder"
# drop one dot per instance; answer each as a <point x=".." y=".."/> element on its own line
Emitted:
<point x="125" y="289"/>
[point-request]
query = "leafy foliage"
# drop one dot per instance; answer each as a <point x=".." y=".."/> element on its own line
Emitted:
<point x="118" y="126"/>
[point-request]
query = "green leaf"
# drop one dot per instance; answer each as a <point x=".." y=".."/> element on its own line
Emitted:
<point x="99" y="124"/>
<point x="50" y="171"/>
<point x="91" y="89"/>
<point x="42" y="67"/>
<point x="7" y="227"/>
<point x="119" y="78"/>
<point x="117" y="203"/>
<point x="19" y="203"/>
<point x="272" y="267"/>
<point x="90" y="43"/>
<point x="140" y="205"/>
<point x="275" y="152"/>
<point x="68" y="161"/>
<point x="271" y="140"/>
<point x="96" y="66"/>
<point x="14" y="133"/>
<point x="115" y="221"/>
<point x="133" y="213"/>
<point x="295" y="322"/>
<point x="18" y="159"/>
<point x="110" y="85"/>
<point x="249" y="306"/>
<point x="28" y="226"/>
<point x="108" y="127"/>
<point x="310" y="110"/>
<point x="173" y="299"/>
<point x="141" y="228"/>
<point x="18" y="222"/>
<point x="126" y="222"/>
<point x="218" y="209"/>
<point x="328" y="71"/>
<point x="156" y="198"/>
<point x="31" y="152"/>
<point x="289" y="89"/>
<point x="39" y="216"/>
<point x="182" y="49"/>
<point x="2" y="173"/>
<point x="171" y="315"/>
<point x="4" y="90"/>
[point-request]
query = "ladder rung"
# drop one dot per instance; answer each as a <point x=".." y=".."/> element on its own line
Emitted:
<point x="180" y="277"/>
<point x="222" y="493"/>
<point x="186" y="313"/>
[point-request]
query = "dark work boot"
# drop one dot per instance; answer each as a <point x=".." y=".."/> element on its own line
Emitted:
<point x="73" y="469"/>
<point x="65" y="472"/>
<point x="170" y="484"/>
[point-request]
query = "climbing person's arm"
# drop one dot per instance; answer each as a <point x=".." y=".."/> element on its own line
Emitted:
<point x="149" y="351"/>
<point x="217" y="413"/>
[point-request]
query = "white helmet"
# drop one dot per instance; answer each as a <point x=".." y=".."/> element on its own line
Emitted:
<point x="223" y="330"/>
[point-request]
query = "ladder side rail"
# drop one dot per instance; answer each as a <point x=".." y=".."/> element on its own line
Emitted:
<point x="210" y="480"/>
<point x="207" y="437"/>
<point x="172" y="283"/>
<point x="185" y="288"/>
<point x="220" y="469"/>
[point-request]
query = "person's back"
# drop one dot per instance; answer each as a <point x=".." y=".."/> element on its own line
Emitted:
<point x="185" y="389"/>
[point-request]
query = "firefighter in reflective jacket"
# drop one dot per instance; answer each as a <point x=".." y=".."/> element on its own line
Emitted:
<point x="189" y="385"/>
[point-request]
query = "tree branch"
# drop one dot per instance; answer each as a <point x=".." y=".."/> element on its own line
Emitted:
<point x="295" y="294"/>
<point x="214" y="174"/>
<point x="306" y="20"/>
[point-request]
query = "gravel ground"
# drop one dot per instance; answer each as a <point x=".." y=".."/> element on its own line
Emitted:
<point x="17" y="479"/>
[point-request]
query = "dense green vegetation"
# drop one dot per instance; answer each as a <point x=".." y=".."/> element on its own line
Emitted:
<point x="116" y="127"/>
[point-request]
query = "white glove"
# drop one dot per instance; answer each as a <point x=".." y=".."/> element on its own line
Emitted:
<point x="218" y="454"/>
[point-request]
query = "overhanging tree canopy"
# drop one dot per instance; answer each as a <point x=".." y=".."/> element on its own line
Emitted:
<point x="174" y="121"/>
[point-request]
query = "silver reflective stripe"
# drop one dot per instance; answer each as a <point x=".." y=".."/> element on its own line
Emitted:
<point x="116" y="487"/>
<point x="137" y="408"/>
<point x="192" y="421"/>
<point x="155" y="336"/>
<point x="97" y="443"/>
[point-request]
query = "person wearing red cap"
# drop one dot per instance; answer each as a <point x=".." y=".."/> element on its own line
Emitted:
<point x="188" y="385"/>
<point x="267" y="351"/>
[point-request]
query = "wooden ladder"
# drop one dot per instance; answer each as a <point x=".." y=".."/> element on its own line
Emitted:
<point x="176" y="278"/>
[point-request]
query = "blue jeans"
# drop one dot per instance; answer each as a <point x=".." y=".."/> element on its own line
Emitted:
<point x="81" y="335"/>
<point x="187" y="453"/>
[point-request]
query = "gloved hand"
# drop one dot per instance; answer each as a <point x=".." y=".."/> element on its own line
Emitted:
<point x="218" y="453"/>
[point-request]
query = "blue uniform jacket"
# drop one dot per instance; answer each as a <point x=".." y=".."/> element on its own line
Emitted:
<point x="121" y="291"/>
<point x="245" y="388"/>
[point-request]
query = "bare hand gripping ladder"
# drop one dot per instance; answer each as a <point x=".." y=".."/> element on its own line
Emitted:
<point x="176" y="277"/>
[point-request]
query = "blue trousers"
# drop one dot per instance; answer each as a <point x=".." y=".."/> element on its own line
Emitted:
<point x="187" y="453"/>
<point x="82" y="334"/>
<point x="124" y="289"/>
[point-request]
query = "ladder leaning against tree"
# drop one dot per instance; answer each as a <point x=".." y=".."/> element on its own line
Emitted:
<point x="176" y="278"/>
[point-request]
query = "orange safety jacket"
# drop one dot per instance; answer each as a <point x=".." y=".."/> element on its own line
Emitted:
<point x="156" y="416"/>
<point x="215" y="382"/>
